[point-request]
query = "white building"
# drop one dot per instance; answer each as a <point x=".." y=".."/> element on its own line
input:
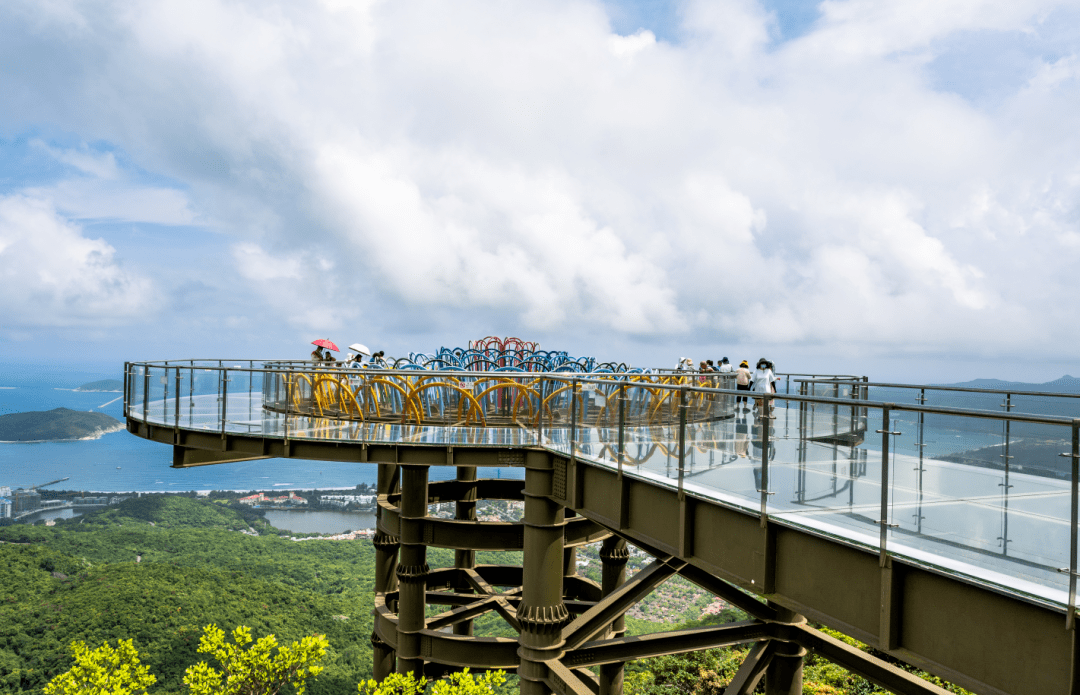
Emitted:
<point x="5" y="506"/>
<point x="344" y="500"/>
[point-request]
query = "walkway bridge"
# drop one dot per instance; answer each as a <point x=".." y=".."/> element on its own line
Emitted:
<point x="944" y="536"/>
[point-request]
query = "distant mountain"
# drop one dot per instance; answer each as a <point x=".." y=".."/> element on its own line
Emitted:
<point x="56" y="425"/>
<point x="1065" y="384"/>
<point x="111" y="385"/>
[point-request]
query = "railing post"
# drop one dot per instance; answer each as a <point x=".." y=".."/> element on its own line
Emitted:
<point x="540" y="415"/>
<point x="1005" y="485"/>
<point x="573" y="420"/>
<point x="883" y="522"/>
<point x="765" y="417"/>
<point x="1070" y="617"/>
<point x="682" y="439"/>
<point x="146" y="393"/>
<point x="176" y="405"/>
<point x="224" y="403"/>
<point x="288" y="405"/>
<point x="127" y="387"/>
<point x="622" y="427"/>
<point x="251" y="384"/>
<point x="836" y="410"/>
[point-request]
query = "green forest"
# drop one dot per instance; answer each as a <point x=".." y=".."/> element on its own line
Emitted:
<point x="54" y="425"/>
<point x="157" y="569"/>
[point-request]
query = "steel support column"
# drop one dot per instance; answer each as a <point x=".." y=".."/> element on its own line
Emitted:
<point x="569" y="554"/>
<point x="785" y="673"/>
<point x="386" y="562"/>
<point x="465" y="559"/>
<point x="542" y="612"/>
<point x="613" y="558"/>
<point x="413" y="570"/>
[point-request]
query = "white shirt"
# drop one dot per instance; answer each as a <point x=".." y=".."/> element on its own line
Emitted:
<point x="726" y="368"/>
<point x="763" y="378"/>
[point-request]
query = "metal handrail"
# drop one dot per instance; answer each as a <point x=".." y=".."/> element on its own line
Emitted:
<point x="963" y="389"/>
<point x="607" y="379"/>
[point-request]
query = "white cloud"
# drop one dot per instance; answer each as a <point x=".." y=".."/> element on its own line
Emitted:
<point x="298" y="286"/>
<point x="627" y="46"/>
<point x="524" y="163"/>
<point x="52" y="275"/>
<point x="99" y="164"/>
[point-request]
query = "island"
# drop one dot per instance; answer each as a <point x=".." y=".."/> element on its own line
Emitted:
<point x="59" y="424"/>
<point x="105" y="385"/>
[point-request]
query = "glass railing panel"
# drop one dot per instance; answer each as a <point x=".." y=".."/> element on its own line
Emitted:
<point x="959" y="507"/>
<point x="829" y="479"/>
<point x="724" y="458"/>
<point x="652" y="452"/>
<point x="157" y="388"/>
<point x="136" y="390"/>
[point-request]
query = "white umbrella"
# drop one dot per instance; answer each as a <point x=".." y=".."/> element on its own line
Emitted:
<point x="362" y="349"/>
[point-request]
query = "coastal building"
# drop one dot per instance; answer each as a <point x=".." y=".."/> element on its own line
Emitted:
<point x="262" y="498"/>
<point x="26" y="500"/>
<point x="5" y="508"/>
<point x="5" y="491"/>
<point x="346" y="500"/>
<point x="91" y="501"/>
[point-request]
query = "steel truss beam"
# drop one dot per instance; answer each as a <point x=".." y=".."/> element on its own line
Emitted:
<point x="768" y="631"/>
<point x="923" y="622"/>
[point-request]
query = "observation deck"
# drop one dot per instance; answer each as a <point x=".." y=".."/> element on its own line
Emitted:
<point x="944" y="535"/>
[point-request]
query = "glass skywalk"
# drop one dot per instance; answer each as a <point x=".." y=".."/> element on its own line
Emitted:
<point x="950" y="503"/>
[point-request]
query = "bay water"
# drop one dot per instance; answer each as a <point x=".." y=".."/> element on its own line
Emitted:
<point x="121" y="462"/>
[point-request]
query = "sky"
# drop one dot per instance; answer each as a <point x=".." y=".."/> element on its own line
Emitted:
<point x="878" y="187"/>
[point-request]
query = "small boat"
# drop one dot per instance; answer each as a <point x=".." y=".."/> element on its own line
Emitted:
<point x="118" y="468"/>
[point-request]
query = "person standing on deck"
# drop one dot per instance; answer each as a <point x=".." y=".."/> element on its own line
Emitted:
<point x="763" y="380"/>
<point x="742" y="383"/>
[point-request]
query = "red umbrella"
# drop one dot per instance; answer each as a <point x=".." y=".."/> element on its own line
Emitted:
<point x="324" y="343"/>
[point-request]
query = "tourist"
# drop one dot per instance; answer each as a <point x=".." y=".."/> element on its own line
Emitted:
<point x="775" y="378"/>
<point x="317" y="355"/>
<point x="742" y="383"/>
<point x="763" y="380"/>
<point x="703" y="369"/>
<point x="355" y="360"/>
<point x="725" y="366"/>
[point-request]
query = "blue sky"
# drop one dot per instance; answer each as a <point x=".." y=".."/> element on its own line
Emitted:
<point x="883" y="187"/>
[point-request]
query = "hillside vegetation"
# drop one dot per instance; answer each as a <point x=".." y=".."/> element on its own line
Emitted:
<point x="157" y="569"/>
<point x="56" y="424"/>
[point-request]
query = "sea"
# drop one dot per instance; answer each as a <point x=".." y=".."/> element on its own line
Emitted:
<point x="121" y="462"/>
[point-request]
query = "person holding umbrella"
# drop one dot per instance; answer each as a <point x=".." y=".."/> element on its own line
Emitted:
<point x="360" y="349"/>
<point x="318" y="355"/>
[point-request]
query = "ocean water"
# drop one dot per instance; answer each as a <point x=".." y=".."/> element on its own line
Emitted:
<point x="121" y="462"/>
